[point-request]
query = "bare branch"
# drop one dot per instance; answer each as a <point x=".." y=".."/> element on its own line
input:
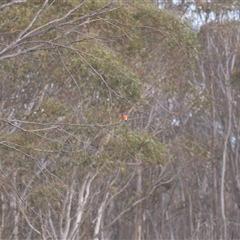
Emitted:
<point x="12" y="2"/>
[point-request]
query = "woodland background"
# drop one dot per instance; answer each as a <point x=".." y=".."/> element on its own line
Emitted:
<point x="70" y="168"/>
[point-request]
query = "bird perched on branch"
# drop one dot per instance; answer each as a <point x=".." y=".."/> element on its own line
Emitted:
<point x="124" y="117"/>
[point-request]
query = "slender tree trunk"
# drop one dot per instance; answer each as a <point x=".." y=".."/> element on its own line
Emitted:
<point x="214" y="160"/>
<point x="225" y="150"/>
<point x="15" y="211"/>
<point x="138" y="228"/>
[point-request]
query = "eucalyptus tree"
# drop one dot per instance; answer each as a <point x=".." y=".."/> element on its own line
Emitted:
<point x="70" y="168"/>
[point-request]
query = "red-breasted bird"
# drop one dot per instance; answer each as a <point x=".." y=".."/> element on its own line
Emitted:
<point x="124" y="117"/>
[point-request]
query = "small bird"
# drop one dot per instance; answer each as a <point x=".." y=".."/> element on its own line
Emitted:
<point x="124" y="117"/>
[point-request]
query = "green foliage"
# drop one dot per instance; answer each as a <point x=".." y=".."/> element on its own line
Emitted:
<point x="195" y="149"/>
<point x="43" y="195"/>
<point x="51" y="109"/>
<point x="100" y="69"/>
<point x="133" y="146"/>
<point x="92" y="68"/>
<point x="94" y="72"/>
